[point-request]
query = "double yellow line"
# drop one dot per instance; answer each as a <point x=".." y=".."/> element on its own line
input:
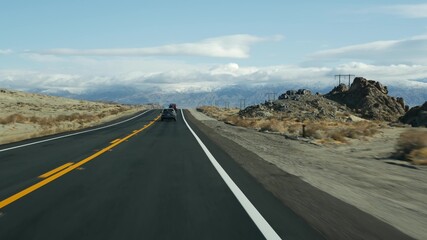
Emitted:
<point x="66" y="168"/>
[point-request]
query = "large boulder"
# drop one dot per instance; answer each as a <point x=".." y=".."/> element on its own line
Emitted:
<point x="292" y="94"/>
<point x="369" y="98"/>
<point x="303" y="92"/>
<point x="416" y="116"/>
<point x="339" y="89"/>
<point x="257" y="111"/>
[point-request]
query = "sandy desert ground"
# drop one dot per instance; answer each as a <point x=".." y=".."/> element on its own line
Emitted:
<point x="26" y="115"/>
<point x="360" y="173"/>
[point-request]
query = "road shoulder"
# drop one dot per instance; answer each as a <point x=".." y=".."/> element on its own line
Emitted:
<point x="334" y="218"/>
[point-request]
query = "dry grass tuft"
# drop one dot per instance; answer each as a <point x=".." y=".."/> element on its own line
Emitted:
<point x="419" y="156"/>
<point x="50" y="121"/>
<point x="220" y="114"/>
<point x="412" y="146"/>
<point x="24" y="115"/>
<point x="269" y="125"/>
<point x="14" y="118"/>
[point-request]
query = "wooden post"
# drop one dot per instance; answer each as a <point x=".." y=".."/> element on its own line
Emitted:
<point x="303" y="130"/>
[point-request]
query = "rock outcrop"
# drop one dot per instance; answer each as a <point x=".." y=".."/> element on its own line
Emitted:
<point x="300" y="105"/>
<point x="369" y="98"/>
<point x="291" y="93"/>
<point x="416" y="116"/>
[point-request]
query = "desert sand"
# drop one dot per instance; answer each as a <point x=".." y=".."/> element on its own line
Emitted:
<point x="360" y="173"/>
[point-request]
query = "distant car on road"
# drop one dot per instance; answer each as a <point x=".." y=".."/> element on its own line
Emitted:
<point x="168" y="113"/>
<point x="173" y="105"/>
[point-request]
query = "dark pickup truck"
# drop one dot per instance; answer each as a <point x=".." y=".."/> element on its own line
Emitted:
<point x="168" y="113"/>
<point x="173" y="105"/>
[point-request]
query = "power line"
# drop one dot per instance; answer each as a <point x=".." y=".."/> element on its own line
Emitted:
<point x="270" y="96"/>
<point x="242" y="103"/>
<point x="344" y="76"/>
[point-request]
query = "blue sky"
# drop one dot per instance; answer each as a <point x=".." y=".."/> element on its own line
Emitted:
<point x="190" y="45"/>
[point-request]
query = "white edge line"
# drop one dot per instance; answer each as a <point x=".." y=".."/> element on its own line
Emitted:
<point x="253" y="213"/>
<point x="73" y="134"/>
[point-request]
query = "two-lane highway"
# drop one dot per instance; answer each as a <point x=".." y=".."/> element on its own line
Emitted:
<point x="141" y="179"/>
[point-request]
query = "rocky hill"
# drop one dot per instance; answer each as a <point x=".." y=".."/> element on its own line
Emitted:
<point x="370" y="99"/>
<point x="300" y="105"/>
<point x="367" y="99"/>
<point x="416" y="116"/>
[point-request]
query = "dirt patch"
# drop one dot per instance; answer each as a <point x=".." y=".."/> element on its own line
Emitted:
<point x="357" y="173"/>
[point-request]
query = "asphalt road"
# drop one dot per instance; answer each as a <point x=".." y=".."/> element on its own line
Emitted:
<point x="141" y="179"/>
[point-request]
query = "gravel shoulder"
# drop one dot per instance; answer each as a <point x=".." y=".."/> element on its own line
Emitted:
<point x="360" y="174"/>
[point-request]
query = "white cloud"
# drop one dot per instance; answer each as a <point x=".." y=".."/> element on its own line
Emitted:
<point x="5" y="51"/>
<point x="231" y="69"/>
<point x="206" y="78"/>
<point x="43" y="58"/>
<point x="405" y="51"/>
<point x="102" y="66"/>
<point x="408" y="10"/>
<point x="391" y="62"/>
<point x="233" y="46"/>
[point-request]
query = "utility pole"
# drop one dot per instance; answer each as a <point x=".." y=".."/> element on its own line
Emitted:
<point x="344" y="76"/>
<point x="271" y="96"/>
<point x="242" y="103"/>
<point x="226" y="104"/>
<point x="217" y="102"/>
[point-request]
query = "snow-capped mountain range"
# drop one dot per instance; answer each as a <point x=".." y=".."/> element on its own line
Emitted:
<point x="229" y="96"/>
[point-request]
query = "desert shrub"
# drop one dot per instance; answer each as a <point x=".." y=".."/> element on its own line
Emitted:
<point x="337" y="135"/>
<point x="370" y="131"/>
<point x="53" y="121"/>
<point x="419" y="156"/>
<point x="271" y="124"/>
<point x="294" y="128"/>
<point x="14" y="118"/>
<point x="412" y="145"/>
<point x="118" y="109"/>
<point x="89" y="117"/>
<point x="235" y="120"/>
<point x="63" y="118"/>
<point x="264" y="125"/>
<point x="247" y="123"/>
<point x="114" y="111"/>
<point x="358" y="130"/>
<point x="221" y="114"/>
<point x="318" y="129"/>
<point x="33" y="119"/>
<point x="102" y="115"/>
<point x="46" y="122"/>
<point x="277" y="125"/>
<point x="314" y="131"/>
<point x="366" y="128"/>
<point x="349" y="132"/>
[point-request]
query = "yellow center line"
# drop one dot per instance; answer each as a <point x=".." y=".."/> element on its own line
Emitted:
<point x="115" y="140"/>
<point x="59" y="174"/>
<point x="51" y="172"/>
